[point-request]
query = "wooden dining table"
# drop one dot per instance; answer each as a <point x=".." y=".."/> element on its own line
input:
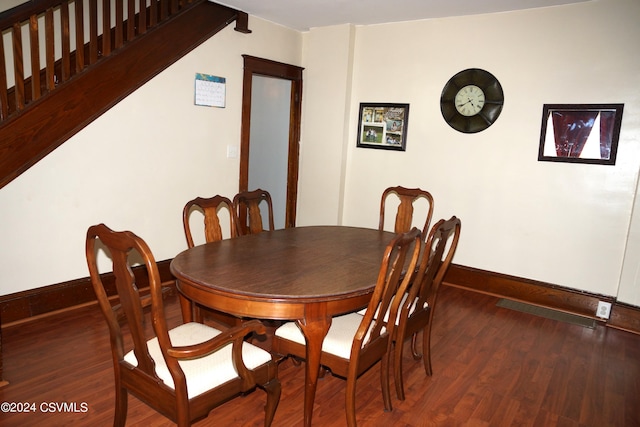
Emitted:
<point x="306" y="274"/>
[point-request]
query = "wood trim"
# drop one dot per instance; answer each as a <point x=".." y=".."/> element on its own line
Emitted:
<point x="266" y="67"/>
<point x="624" y="317"/>
<point x="24" y="306"/>
<point x="35" y="303"/>
<point x="242" y="23"/>
<point x="529" y="291"/>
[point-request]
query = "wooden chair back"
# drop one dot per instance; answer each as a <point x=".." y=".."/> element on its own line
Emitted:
<point x="168" y="392"/>
<point x="348" y="356"/>
<point x="417" y="309"/>
<point x="408" y="197"/>
<point x="209" y="208"/>
<point x="399" y="262"/>
<point x="124" y="249"/>
<point x="248" y="205"/>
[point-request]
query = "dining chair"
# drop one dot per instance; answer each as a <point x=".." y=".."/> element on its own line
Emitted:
<point x="418" y="303"/>
<point x="407" y="199"/>
<point x="354" y="343"/>
<point x="209" y="207"/>
<point x="213" y="231"/>
<point x="183" y="372"/>
<point x="247" y="205"/>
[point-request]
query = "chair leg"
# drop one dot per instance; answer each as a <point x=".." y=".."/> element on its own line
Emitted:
<point x="414" y="347"/>
<point x="183" y="411"/>
<point x="384" y="382"/>
<point x="426" y="349"/>
<point x="120" y="417"/>
<point x="397" y="368"/>
<point x="350" y="401"/>
<point x="273" y="389"/>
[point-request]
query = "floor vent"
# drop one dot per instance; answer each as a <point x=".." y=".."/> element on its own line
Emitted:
<point x="547" y="313"/>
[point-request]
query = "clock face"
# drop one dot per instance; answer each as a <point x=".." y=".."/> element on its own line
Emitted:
<point x="469" y="100"/>
<point x="472" y="100"/>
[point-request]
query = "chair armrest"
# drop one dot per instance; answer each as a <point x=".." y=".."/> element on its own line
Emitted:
<point x="234" y="334"/>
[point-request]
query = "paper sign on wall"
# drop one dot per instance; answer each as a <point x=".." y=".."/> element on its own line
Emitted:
<point x="210" y="90"/>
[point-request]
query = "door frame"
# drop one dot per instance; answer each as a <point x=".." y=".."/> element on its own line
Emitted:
<point x="265" y="67"/>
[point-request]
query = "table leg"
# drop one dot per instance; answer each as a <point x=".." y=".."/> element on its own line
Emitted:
<point x="186" y="308"/>
<point x="314" y="329"/>
<point x="191" y="312"/>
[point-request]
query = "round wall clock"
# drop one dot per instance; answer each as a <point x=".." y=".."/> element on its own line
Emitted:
<point x="472" y="100"/>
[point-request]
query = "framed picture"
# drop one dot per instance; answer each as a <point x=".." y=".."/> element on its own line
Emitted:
<point x="580" y="133"/>
<point x="383" y="126"/>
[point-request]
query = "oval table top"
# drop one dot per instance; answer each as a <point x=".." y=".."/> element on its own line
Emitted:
<point x="298" y="266"/>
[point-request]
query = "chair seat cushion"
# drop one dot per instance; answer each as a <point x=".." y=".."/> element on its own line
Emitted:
<point x="338" y="340"/>
<point x="206" y="372"/>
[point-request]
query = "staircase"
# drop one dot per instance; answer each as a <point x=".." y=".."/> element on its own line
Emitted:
<point x="87" y="72"/>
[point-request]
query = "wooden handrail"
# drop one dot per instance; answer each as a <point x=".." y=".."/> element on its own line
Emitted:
<point x="54" y="20"/>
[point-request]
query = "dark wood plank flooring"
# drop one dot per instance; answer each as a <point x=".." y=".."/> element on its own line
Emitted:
<point x="492" y="367"/>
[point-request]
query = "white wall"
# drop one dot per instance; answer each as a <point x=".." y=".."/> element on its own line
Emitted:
<point x="135" y="167"/>
<point x="566" y="224"/>
<point x="328" y="59"/>
<point x="560" y="223"/>
<point x="8" y="4"/>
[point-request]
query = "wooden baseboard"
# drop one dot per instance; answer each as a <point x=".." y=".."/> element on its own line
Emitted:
<point x="35" y="303"/>
<point x="28" y="305"/>
<point x="623" y="316"/>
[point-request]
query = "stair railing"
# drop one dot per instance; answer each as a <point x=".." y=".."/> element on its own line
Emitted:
<point x="45" y="43"/>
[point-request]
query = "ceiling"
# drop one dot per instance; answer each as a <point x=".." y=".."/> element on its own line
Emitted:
<point x="305" y="14"/>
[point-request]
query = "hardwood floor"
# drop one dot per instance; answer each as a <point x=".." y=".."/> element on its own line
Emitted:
<point x="492" y="367"/>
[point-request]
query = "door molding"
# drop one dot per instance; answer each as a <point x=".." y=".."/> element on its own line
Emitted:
<point x="265" y="67"/>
